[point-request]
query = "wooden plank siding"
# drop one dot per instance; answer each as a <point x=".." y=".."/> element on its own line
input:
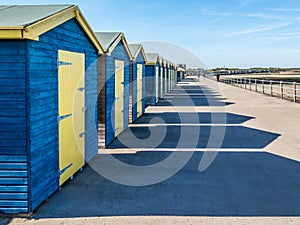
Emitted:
<point x="150" y="98"/>
<point x="29" y="171"/>
<point x="101" y="101"/>
<point x="118" y="53"/>
<point x="139" y="59"/>
<point x="13" y="128"/>
<point x="43" y="98"/>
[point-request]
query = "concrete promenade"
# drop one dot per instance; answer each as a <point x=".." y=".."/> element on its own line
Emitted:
<point x="208" y="153"/>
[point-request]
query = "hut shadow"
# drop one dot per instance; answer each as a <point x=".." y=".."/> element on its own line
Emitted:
<point x="236" y="184"/>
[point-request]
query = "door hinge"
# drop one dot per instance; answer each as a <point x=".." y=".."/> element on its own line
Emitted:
<point x="81" y="89"/>
<point x="84" y="109"/>
<point x="61" y="63"/>
<point x="60" y="118"/>
<point x="81" y="134"/>
<point x="65" y="169"/>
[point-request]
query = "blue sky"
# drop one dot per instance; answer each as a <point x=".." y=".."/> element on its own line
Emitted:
<point x="231" y="33"/>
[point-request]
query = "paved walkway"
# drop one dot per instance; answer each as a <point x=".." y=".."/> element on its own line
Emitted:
<point x="209" y="153"/>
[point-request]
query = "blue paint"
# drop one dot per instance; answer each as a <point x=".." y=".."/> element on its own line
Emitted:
<point x="139" y="60"/>
<point x="118" y="53"/>
<point x="29" y="160"/>
<point x="150" y="79"/>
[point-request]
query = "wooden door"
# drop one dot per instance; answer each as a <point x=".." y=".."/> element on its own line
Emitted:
<point x="156" y="84"/>
<point x="119" y="97"/>
<point x="139" y="86"/>
<point x="71" y="110"/>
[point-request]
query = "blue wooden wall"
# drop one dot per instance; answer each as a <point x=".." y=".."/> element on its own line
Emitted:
<point x="28" y="115"/>
<point x="43" y="98"/>
<point x="150" y="98"/>
<point x="13" y="128"/>
<point x="118" y="53"/>
<point x="139" y="59"/>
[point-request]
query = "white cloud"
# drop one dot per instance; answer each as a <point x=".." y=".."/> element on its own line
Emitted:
<point x="264" y="16"/>
<point x="212" y="21"/>
<point x="285" y="10"/>
<point x="260" y="29"/>
<point x="259" y="15"/>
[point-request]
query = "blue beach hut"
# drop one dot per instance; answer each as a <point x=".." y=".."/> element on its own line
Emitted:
<point x="48" y="88"/>
<point x="137" y="82"/>
<point x="152" y="81"/>
<point x="113" y="86"/>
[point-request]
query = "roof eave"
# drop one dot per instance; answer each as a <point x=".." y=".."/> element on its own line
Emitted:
<point x="120" y="37"/>
<point x="33" y="31"/>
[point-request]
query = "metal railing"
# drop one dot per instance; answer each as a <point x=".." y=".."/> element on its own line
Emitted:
<point x="281" y="89"/>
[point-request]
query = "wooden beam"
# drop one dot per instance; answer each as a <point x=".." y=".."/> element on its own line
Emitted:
<point x="82" y="21"/>
<point x="11" y="34"/>
<point x="42" y="26"/>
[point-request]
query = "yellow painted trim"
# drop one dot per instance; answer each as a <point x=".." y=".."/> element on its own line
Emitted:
<point x="11" y="28"/>
<point x="143" y="53"/>
<point x="32" y="32"/>
<point x="126" y="47"/>
<point x="82" y="21"/>
<point x="114" y="44"/>
<point x="150" y="63"/>
<point x="121" y="37"/>
<point x="11" y="34"/>
<point x="48" y="23"/>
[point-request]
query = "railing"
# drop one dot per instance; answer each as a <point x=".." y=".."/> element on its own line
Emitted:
<point x="281" y="89"/>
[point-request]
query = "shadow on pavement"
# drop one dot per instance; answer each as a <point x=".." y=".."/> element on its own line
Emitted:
<point x="236" y="184"/>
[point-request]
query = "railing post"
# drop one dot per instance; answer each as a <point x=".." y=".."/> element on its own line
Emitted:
<point x="250" y="84"/>
<point x="255" y="81"/>
<point x="263" y="86"/>
<point x="245" y="81"/>
<point x="281" y="89"/>
<point x="295" y="91"/>
<point x="271" y="88"/>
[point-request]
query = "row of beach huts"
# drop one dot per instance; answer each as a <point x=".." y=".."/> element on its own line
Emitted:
<point x="65" y="92"/>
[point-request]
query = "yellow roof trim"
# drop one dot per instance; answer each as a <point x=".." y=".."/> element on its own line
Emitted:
<point x="140" y="49"/>
<point x="33" y="31"/>
<point x="150" y="63"/>
<point x="48" y="23"/>
<point x="121" y="37"/>
<point x="11" y="28"/>
<point x="143" y="53"/>
<point x="89" y="32"/>
<point x="11" y="33"/>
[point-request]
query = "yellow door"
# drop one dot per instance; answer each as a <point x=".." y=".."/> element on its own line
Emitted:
<point x="161" y="82"/>
<point x="119" y="97"/>
<point x="71" y="109"/>
<point x="156" y="84"/>
<point x="139" y="87"/>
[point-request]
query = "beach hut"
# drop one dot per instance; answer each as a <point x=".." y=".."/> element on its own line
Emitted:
<point x="152" y="79"/>
<point x="48" y="88"/>
<point x="113" y="86"/>
<point x="168" y="76"/>
<point x="160" y="77"/>
<point x="165" y="74"/>
<point x="181" y="68"/>
<point x="137" y="82"/>
<point x="171" y="76"/>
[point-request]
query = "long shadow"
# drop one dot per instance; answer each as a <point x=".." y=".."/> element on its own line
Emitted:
<point x="237" y="137"/>
<point x="201" y="118"/>
<point x="193" y="101"/>
<point x="236" y="184"/>
<point x="193" y="96"/>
